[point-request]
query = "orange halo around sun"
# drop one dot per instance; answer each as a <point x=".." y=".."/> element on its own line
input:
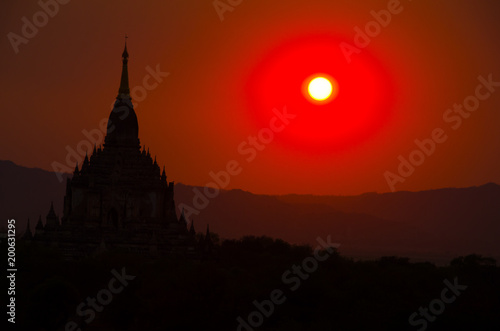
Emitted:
<point x="320" y="88"/>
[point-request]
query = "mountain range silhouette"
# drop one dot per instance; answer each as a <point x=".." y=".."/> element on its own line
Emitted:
<point x="434" y="225"/>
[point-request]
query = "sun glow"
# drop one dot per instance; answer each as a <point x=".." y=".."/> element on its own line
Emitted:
<point x="359" y="105"/>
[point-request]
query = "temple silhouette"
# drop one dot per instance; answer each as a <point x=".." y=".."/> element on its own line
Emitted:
<point x="119" y="199"/>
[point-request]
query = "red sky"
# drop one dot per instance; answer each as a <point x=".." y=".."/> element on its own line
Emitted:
<point x="219" y="92"/>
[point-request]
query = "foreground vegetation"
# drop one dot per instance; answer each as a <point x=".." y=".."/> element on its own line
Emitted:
<point x="210" y="294"/>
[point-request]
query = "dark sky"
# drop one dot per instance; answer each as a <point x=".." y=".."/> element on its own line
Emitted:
<point x="225" y="77"/>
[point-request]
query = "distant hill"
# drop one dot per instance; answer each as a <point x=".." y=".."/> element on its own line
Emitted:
<point x="431" y="225"/>
<point x="27" y="193"/>
<point x="464" y="215"/>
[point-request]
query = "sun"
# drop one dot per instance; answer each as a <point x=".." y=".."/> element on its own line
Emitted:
<point x="321" y="88"/>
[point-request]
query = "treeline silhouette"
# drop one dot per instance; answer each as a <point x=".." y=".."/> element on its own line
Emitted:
<point x="211" y="293"/>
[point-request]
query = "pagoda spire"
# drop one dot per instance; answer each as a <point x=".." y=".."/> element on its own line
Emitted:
<point x="163" y="175"/>
<point x="124" y="90"/>
<point x="207" y="243"/>
<point x="52" y="213"/>
<point x="85" y="163"/>
<point x="191" y="229"/>
<point x="39" y="225"/>
<point x="208" y="238"/>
